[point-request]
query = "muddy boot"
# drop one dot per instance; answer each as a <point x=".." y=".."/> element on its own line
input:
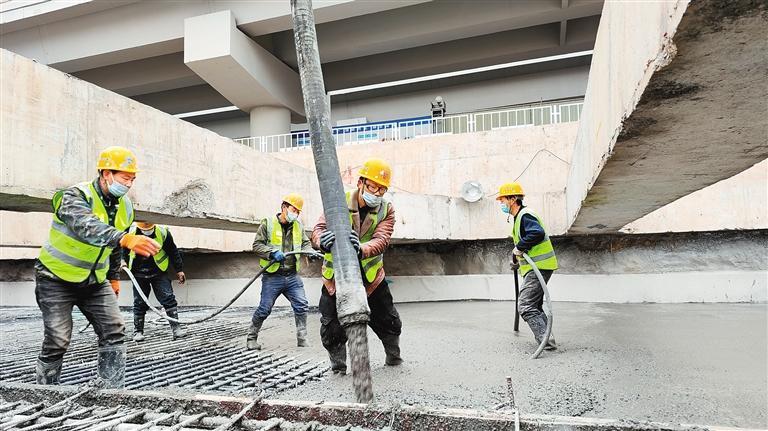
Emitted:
<point x="551" y="344"/>
<point x="111" y="366"/>
<point x="338" y="357"/>
<point x="178" y="331"/>
<point x="138" y="328"/>
<point x="252" y="342"/>
<point x="301" y="330"/>
<point x="538" y="326"/>
<point x="48" y="373"/>
<point x="392" y="349"/>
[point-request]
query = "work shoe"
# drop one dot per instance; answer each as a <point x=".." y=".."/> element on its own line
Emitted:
<point x="138" y="328"/>
<point x="392" y="349"/>
<point x="338" y="358"/>
<point x="111" y="366"/>
<point x="48" y="373"/>
<point x="176" y="329"/>
<point x="301" y="330"/>
<point x="253" y="334"/>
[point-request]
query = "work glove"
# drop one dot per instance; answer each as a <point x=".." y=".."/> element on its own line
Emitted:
<point x="140" y="244"/>
<point x="181" y="277"/>
<point x="277" y="256"/>
<point x="327" y="238"/>
<point x="356" y="243"/>
<point x="514" y="265"/>
<point x="115" y="286"/>
<point x="517" y="252"/>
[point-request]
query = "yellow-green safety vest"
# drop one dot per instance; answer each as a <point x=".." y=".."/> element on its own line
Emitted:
<point x="161" y="258"/>
<point x="275" y="234"/>
<point x="370" y="266"/>
<point x="543" y="254"/>
<point x="66" y="255"/>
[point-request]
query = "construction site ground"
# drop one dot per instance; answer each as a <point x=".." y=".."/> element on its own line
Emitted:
<point x="677" y="363"/>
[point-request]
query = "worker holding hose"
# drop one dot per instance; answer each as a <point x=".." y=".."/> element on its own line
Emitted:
<point x="150" y="273"/>
<point x="529" y="236"/>
<point x="79" y="266"/>
<point x="373" y="220"/>
<point x="277" y="235"/>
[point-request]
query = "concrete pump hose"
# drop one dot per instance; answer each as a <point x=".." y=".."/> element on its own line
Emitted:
<point x="217" y="312"/>
<point x="547" y="306"/>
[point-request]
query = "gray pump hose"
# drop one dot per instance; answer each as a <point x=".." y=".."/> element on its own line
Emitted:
<point x="215" y="313"/>
<point x="547" y="306"/>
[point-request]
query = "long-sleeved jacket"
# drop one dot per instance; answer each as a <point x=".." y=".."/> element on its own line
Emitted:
<point x="145" y="267"/>
<point x="262" y="243"/>
<point x="376" y="246"/>
<point x="77" y="214"/>
<point x="531" y="233"/>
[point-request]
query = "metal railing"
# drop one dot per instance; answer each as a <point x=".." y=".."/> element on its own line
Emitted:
<point x="523" y="116"/>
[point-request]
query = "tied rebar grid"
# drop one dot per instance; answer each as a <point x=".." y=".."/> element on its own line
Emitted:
<point x="68" y="415"/>
<point x="212" y="358"/>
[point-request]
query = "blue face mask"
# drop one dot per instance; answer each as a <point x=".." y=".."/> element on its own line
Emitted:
<point x="504" y="208"/>
<point x="117" y="189"/>
<point x="291" y="217"/>
<point x="371" y="200"/>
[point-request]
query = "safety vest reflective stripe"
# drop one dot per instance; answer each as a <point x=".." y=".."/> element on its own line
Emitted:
<point x="161" y="258"/>
<point x="275" y="234"/>
<point x="370" y="266"/>
<point x="542" y="253"/>
<point x="66" y="255"/>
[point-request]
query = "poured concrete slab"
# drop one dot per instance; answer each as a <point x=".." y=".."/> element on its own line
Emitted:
<point x="670" y="108"/>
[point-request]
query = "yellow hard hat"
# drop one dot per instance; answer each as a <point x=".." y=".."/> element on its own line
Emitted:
<point x="377" y="170"/>
<point x="145" y="225"/>
<point x="510" y="189"/>
<point x="294" y="199"/>
<point x="117" y="159"/>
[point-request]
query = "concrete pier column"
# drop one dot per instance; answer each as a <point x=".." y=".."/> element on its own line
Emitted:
<point x="270" y="120"/>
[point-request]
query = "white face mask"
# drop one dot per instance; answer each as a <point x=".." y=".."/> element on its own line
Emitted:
<point x="147" y="232"/>
<point x="291" y="216"/>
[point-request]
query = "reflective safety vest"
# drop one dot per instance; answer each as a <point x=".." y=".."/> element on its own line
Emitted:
<point x="543" y="254"/>
<point x="275" y="234"/>
<point x="161" y="258"/>
<point x="370" y="266"/>
<point x="66" y="255"/>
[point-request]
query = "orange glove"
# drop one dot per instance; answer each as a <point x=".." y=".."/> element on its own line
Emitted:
<point x="140" y="244"/>
<point x="115" y="286"/>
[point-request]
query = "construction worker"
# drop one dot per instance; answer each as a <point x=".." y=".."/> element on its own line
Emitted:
<point x="277" y="235"/>
<point x="530" y="237"/>
<point x="373" y="220"/>
<point x="150" y="272"/>
<point x="79" y="266"/>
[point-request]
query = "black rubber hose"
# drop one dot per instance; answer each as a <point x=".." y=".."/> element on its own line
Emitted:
<point x="217" y="312"/>
<point x="547" y="306"/>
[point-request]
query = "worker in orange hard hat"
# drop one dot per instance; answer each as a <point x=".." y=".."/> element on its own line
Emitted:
<point x="373" y="220"/>
<point x="79" y="266"/>
<point x="277" y="235"/>
<point x="530" y="237"/>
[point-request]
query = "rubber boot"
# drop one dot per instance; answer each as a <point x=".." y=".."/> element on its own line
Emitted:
<point x="111" y="366"/>
<point x="538" y="326"/>
<point x="392" y="349"/>
<point x="338" y="358"/>
<point x="252" y="343"/>
<point x="301" y="330"/>
<point x="48" y="373"/>
<point x="551" y="344"/>
<point x="138" y="328"/>
<point x="178" y="331"/>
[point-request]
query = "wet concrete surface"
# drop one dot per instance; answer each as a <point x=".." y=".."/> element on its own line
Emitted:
<point x="678" y="363"/>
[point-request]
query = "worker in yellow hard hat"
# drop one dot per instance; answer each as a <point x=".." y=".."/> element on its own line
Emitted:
<point x="530" y="237"/>
<point x="373" y="220"/>
<point x="150" y="273"/>
<point x="277" y="235"/>
<point x="79" y="266"/>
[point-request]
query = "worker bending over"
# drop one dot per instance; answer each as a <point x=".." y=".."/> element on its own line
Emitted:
<point x="150" y="273"/>
<point x="373" y="220"/>
<point x="79" y="266"/>
<point x="530" y="237"/>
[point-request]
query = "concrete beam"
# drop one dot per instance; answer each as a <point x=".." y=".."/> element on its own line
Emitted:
<point x="673" y="105"/>
<point x="237" y="67"/>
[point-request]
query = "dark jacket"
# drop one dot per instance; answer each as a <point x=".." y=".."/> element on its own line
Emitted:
<point x="262" y="244"/>
<point x="531" y="233"/>
<point x="145" y="267"/>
